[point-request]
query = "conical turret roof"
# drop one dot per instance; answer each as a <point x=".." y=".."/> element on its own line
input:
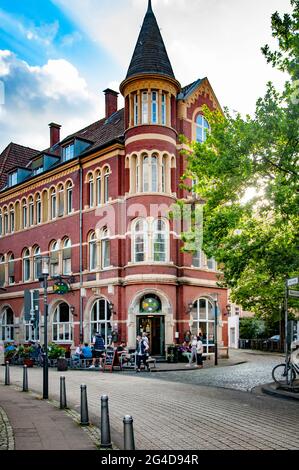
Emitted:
<point x="150" y="55"/>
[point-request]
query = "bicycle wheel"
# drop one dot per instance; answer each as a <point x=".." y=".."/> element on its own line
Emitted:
<point x="282" y="374"/>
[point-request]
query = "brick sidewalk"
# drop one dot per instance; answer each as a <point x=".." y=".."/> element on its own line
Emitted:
<point x="38" y="425"/>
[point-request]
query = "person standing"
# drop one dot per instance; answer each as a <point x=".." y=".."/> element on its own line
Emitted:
<point x="98" y="350"/>
<point x="141" y="349"/>
<point x="193" y="351"/>
<point x="199" y="352"/>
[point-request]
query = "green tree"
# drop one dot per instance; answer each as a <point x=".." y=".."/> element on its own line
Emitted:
<point x="255" y="240"/>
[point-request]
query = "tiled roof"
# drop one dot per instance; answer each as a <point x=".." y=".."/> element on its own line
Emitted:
<point x="150" y="55"/>
<point x="14" y="155"/>
<point x="189" y="88"/>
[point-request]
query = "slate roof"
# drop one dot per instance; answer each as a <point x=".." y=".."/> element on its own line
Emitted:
<point x="150" y="55"/>
<point x="188" y="89"/>
<point x="14" y="155"/>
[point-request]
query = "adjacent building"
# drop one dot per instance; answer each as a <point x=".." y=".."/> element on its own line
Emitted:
<point x="97" y="203"/>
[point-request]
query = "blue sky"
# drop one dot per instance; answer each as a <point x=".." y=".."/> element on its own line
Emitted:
<point x="56" y="56"/>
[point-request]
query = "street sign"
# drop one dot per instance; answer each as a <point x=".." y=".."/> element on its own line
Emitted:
<point x="60" y="288"/>
<point x="294" y="293"/>
<point x="293" y="282"/>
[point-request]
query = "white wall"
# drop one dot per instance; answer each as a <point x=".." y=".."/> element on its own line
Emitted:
<point x="233" y="331"/>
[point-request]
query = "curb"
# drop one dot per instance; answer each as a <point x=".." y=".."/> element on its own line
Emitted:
<point x="270" y="390"/>
<point x="9" y="436"/>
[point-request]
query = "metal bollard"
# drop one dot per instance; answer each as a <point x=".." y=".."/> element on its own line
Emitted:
<point x="105" y="424"/>
<point x="129" y="442"/>
<point x="7" y="374"/>
<point x="84" y="407"/>
<point x="63" y="403"/>
<point x="25" y="379"/>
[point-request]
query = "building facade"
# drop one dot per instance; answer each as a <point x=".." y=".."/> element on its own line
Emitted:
<point x="97" y="203"/>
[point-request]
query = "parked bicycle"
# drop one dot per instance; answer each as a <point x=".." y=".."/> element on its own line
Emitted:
<point x="285" y="374"/>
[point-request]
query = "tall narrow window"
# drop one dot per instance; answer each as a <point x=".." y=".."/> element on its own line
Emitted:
<point x="100" y="320"/>
<point x="144" y="107"/>
<point x="24" y="214"/>
<point x="202" y="128"/>
<point x="2" y="270"/>
<point x="38" y="209"/>
<point x="90" y="190"/>
<point x="197" y="259"/>
<point x="60" y="200"/>
<point x="26" y="265"/>
<point x="203" y="319"/>
<point x="154" y="163"/>
<point x="155" y="116"/>
<point x="31" y="212"/>
<point x="140" y="241"/>
<point x="5" y="221"/>
<point x="160" y="235"/>
<point x="136" y="114"/>
<point x="106" y="186"/>
<point x="163" y="175"/>
<point x="145" y="174"/>
<point x="7" y="322"/>
<point x="11" y="269"/>
<point x="211" y="263"/>
<point x="163" y="109"/>
<point x="62" y="324"/>
<point x="1" y="224"/>
<point x="53" y="204"/>
<point x="67" y="257"/>
<point x="99" y="188"/>
<point x="37" y="263"/>
<point x="92" y="252"/>
<point x="105" y="244"/>
<point x="12" y="219"/>
<point x="69" y="195"/>
<point x="54" y="259"/>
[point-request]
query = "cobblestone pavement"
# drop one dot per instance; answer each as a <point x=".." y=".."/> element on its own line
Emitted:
<point x="256" y="371"/>
<point x="176" y="415"/>
<point x="6" y="433"/>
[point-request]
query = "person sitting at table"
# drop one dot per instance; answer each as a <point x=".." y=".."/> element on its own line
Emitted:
<point x="86" y="351"/>
<point x="122" y="347"/>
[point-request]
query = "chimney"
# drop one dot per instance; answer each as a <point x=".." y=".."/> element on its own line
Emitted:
<point x="110" y="102"/>
<point x="54" y="133"/>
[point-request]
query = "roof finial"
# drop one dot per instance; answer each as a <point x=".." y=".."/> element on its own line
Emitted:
<point x="149" y="8"/>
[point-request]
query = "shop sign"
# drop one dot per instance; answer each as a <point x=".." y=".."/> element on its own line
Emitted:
<point x="61" y="288"/>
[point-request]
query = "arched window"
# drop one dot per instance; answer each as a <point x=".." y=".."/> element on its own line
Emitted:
<point x="204" y="319"/>
<point x="67" y="257"/>
<point x="2" y="270"/>
<point x="38" y="209"/>
<point x="62" y="324"/>
<point x="24" y="214"/>
<point x="202" y="128"/>
<point x="90" y="190"/>
<point x="155" y="107"/>
<point x="144" y="107"/>
<point x="100" y="319"/>
<point x="99" y="188"/>
<point x="154" y="163"/>
<point x="5" y="221"/>
<point x="26" y="265"/>
<point x="31" y="211"/>
<point x="160" y="241"/>
<point x="92" y="252"/>
<point x="163" y="110"/>
<point x="7" y="325"/>
<point x="60" y="200"/>
<point x="69" y="197"/>
<point x="11" y="269"/>
<point x="145" y="174"/>
<point x="36" y="263"/>
<point x="53" y="203"/>
<point x="54" y="259"/>
<point x="12" y="219"/>
<point x="106" y="185"/>
<point x="140" y="241"/>
<point x="105" y="248"/>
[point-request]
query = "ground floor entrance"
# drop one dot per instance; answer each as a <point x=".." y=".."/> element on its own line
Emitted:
<point x="154" y="327"/>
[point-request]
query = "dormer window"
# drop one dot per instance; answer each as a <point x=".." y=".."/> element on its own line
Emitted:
<point x="13" y="178"/>
<point x="68" y="152"/>
<point x="37" y="171"/>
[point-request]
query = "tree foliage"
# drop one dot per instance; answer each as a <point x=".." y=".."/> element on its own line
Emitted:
<point x="256" y="240"/>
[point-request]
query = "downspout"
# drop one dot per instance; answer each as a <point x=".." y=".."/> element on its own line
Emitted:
<point x="81" y="248"/>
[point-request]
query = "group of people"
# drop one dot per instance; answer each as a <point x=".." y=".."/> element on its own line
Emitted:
<point x="193" y="344"/>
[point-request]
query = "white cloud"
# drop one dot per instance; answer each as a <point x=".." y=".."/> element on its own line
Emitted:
<point x="37" y="95"/>
<point x="217" y="39"/>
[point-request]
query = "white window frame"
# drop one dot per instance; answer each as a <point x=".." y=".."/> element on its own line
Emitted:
<point x="96" y="325"/>
<point x="67" y="327"/>
<point x="144" y="105"/>
<point x="202" y="127"/>
<point x="93" y="259"/>
<point x="11" y="259"/>
<point x="66" y="262"/>
<point x="198" y="321"/>
<point x="160" y="237"/>
<point x="68" y="152"/>
<point x="136" y="110"/>
<point x="26" y="265"/>
<point x="155" y="107"/>
<point x="38" y="205"/>
<point x="105" y="249"/>
<point x="163" y="110"/>
<point x="69" y="197"/>
<point x="7" y="329"/>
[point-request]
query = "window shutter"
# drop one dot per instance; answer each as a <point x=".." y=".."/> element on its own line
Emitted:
<point x="2" y="274"/>
<point x="67" y="253"/>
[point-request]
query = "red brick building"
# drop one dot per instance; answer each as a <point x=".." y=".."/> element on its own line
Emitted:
<point x="97" y="203"/>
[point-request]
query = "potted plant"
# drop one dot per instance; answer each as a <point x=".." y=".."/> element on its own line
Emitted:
<point x="58" y="353"/>
<point x="26" y="352"/>
<point x="8" y="355"/>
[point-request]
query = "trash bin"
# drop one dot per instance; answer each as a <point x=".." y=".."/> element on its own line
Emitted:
<point x="172" y="354"/>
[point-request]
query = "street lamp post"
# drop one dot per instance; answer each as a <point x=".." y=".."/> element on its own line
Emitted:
<point x="216" y="332"/>
<point x="45" y="275"/>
